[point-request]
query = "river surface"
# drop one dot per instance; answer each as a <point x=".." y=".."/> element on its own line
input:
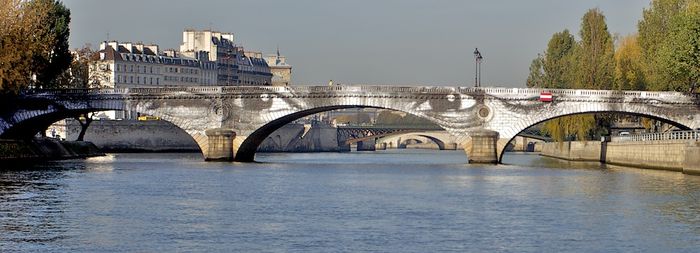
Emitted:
<point x="386" y="201"/>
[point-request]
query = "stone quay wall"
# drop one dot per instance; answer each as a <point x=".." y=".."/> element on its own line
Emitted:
<point x="134" y="136"/>
<point x="44" y="149"/>
<point x="302" y="138"/>
<point x="675" y="155"/>
<point x="573" y="151"/>
<point x="668" y="155"/>
<point x="163" y="136"/>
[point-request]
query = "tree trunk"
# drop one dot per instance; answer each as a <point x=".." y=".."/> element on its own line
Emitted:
<point x="83" y="126"/>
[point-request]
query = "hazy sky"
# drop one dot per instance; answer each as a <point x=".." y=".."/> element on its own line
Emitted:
<point x="426" y="42"/>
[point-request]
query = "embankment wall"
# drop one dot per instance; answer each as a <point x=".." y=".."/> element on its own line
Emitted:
<point x="43" y="149"/>
<point x="675" y="155"/>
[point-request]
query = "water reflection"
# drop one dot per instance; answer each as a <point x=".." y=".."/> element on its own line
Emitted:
<point x="32" y="204"/>
<point x="389" y="201"/>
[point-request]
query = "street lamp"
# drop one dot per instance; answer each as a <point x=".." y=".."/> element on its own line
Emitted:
<point x="477" y="68"/>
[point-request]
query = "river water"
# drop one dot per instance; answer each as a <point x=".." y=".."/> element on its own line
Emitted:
<point x="385" y="201"/>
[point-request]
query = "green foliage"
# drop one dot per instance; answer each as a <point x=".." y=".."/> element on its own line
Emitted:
<point x="536" y="76"/>
<point x="683" y="54"/>
<point x="666" y="36"/>
<point x="587" y="64"/>
<point x="574" y="127"/>
<point x="665" y="55"/>
<point x="629" y="73"/>
<point x="595" y="55"/>
<point x="558" y="62"/>
<point x="49" y="65"/>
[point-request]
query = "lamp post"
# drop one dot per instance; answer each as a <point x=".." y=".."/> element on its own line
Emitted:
<point x="477" y="68"/>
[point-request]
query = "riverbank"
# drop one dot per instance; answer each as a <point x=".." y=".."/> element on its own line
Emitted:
<point x="43" y="149"/>
<point x="674" y="155"/>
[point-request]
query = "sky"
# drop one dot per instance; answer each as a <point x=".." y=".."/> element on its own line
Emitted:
<point x="381" y="42"/>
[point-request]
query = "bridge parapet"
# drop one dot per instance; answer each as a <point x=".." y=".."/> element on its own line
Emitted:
<point x="255" y="112"/>
<point x="450" y="92"/>
<point x="678" y="135"/>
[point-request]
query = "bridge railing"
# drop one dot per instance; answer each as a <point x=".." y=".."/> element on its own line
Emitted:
<point x="676" y="135"/>
<point x="512" y="93"/>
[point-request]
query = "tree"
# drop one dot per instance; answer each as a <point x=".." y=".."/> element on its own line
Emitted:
<point x="654" y="39"/>
<point x="21" y="38"/>
<point x="574" y="127"/>
<point x="682" y="56"/>
<point x="49" y="64"/>
<point x="595" y="55"/>
<point x="557" y="61"/>
<point x="629" y="74"/>
<point x="586" y="64"/>
<point x="536" y="76"/>
<point x="78" y="77"/>
<point x="33" y="43"/>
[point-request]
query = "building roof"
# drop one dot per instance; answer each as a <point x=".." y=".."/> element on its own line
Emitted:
<point x="109" y="54"/>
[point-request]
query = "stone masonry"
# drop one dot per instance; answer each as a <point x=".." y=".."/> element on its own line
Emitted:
<point x="255" y="112"/>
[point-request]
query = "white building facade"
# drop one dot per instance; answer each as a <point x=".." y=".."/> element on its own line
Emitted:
<point x="123" y="65"/>
<point x="127" y="65"/>
<point x="235" y="66"/>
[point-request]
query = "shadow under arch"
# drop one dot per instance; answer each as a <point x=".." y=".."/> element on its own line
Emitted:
<point x="247" y="149"/>
<point x="30" y="127"/>
<point x="664" y="120"/>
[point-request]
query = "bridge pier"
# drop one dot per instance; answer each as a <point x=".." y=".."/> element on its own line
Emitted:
<point x="220" y="145"/>
<point x="367" y="145"/>
<point x="482" y="148"/>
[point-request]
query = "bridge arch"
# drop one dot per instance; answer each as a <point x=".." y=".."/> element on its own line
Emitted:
<point x="443" y="140"/>
<point x="521" y="128"/>
<point x="30" y="122"/>
<point x="245" y="147"/>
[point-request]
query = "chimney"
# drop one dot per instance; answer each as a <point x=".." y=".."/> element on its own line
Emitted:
<point x="129" y="46"/>
<point x="139" y="46"/>
<point x="114" y="44"/>
<point x="228" y="36"/>
<point x="153" y="48"/>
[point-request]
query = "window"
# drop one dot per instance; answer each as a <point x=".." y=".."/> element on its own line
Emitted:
<point x="131" y="68"/>
<point x="138" y="80"/>
<point x="151" y="69"/>
<point x="157" y="80"/>
<point x="151" y="78"/>
<point x="132" y="79"/>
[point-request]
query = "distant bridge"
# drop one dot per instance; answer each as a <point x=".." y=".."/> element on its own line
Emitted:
<point x="230" y="122"/>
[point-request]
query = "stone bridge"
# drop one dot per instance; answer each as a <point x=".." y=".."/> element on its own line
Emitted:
<point x="442" y="139"/>
<point x="230" y="122"/>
